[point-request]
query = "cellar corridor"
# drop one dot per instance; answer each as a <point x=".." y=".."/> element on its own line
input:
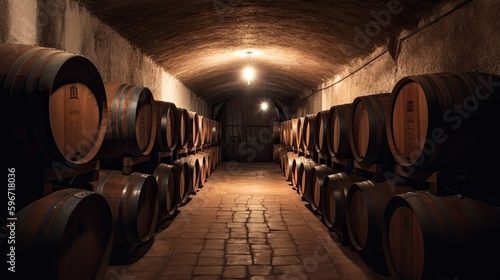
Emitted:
<point x="257" y="139"/>
<point x="246" y="222"/>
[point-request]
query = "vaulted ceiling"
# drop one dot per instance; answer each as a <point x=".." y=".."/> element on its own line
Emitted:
<point x="295" y="44"/>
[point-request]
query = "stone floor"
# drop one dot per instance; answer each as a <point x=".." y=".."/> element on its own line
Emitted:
<point x="245" y="223"/>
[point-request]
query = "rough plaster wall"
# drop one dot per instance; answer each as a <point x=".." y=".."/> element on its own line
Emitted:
<point x="64" y="24"/>
<point x="19" y="24"/>
<point x="464" y="40"/>
<point x="311" y="106"/>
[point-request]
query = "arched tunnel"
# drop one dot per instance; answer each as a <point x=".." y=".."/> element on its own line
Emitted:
<point x="250" y="139"/>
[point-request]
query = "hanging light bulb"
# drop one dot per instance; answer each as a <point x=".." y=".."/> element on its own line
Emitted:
<point x="248" y="72"/>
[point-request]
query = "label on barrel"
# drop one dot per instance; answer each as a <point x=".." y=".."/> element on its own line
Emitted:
<point x="74" y="120"/>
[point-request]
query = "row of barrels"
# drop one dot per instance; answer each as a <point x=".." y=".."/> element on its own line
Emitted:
<point x="73" y="233"/>
<point x="62" y="115"/>
<point x="439" y="121"/>
<point x="400" y="230"/>
<point x="60" y="110"/>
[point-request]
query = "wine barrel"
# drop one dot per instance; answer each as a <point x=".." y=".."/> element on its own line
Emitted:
<point x="339" y="123"/>
<point x="183" y="179"/>
<point x="306" y="186"/>
<point x="294" y="126"/>
<point x="366" y="202"/>
<point x="290" y="156"/>
<point x="201" y="131"/>
<point x="184" y="128"/>
<point x="283" y="159"/>
<point x="283" y="132"/>
<point x="336" y="187"/>
<point x="299" y="141"/>
<point x="288" y="133"/>
<point x="132" y="123"/>
<point x="309" y="132"/>
<point x="56" y="234"/>
<point x="296" y="180"/>
<point x="321" y="141"/>
<point x="194" y="129"/>
<point x="216" y="130"/>
<point x="167" y="126"/>
<point x="134" y="204"/>
<point x="208" y="154"/>
<point x="214" y="157"/>
<point x="203" y="162"/>
<point x="193" y="173"/>
<point x="56" y="106"/>
<point x="442" y="121"/>
<point x="204" y="128"/>
<point x="316" y="196"/>
<point x="166" y="176"/>
<point x="441" y="237"/>
<point x="209" y="130"/>
<point x="367" y="135"/>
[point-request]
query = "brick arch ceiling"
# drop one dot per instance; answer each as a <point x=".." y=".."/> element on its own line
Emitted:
<point x="295" y="45"/>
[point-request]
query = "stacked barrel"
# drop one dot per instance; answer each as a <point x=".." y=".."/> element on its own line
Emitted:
<point x="101" y="159"/>
<point x="57" y="118"/>
<point x="399" y="175"/>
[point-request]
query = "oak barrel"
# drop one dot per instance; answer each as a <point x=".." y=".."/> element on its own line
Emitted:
<point x="67" y="234"/>
<point x="442" y="121"/>
<point x="339" y="123"/>
<point x="288" y="133"/>
<point x="184" y="128"/>
<point x="166" y="176"/>
<point x="309" y="132"/>
<point x="290" y="156"/>
<point x="321" y="141"/>
<point x="56" y="106"/>
<point x="307" y="171"/>
<point x="194" y="129"/>
<point x="335" y="202"/>
<point x="367" y="134"/>
<point x="441" y="237"/>
<point x="167" y="126"/>
<point x="283" y="157"/>
<point x="316" y="197"/>
<point x="193" y="172"/>
<point x="134" y="204"/>
<point x="183" y="179"/>
<point x="209" y="157"/>
<point x="365" y="206"/>
<point x="203" y="162"/>
<point x="299" y="141"/>
<point x="201" y="131"/>
<point x="215" y="157"/>
<point x="132" y="122"/>
<point x="294" y="128"/>
<point x="296" y="180"/>
<point x="284" y="133"/>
